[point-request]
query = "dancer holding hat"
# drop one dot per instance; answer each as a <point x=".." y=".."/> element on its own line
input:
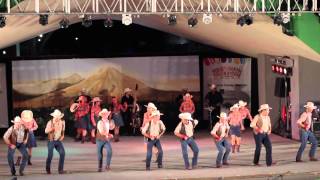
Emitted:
<point x="16" y="137"/>
<point x="55" y="129"/>
<point x="220" y="133"/>
<point x="305" y="123"/>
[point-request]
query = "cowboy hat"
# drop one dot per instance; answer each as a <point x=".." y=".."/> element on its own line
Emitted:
<point x="151" y="105"/>
<point x="310" y="105"/>
<point x="242" y="103"/>
<point x="17" y="119"/>
<point x="187" y="95"/>
<point x="156" y="113"/>
<point x="57" y="114"/>
<point x="26" y="116"/>
<point x="213" y="86"/>
<point x="104" y="112"/>
<point x="96" y="99"/>
<point x="222" y="115"/>
<point x="235" y="106"/>
<point x="127" y="90"/>
<point x="186" y="116"/>
<point x="263" y="107"/>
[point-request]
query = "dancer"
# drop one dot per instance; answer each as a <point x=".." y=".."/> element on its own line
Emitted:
<point x="82" y="117"/>
<point x="235" y="121"/>
<point x="261" y="125"/>
<point x="103" y="138"/>
<point x="245" y="113"/>
<point x="55" y="129"/>
<point x="16" y="137"/>
<point x="220" y="133"/>
<point x="184" y="131"/>
<point x="304" y="123"/>
<point x="94" y="117"/>
<point x="116" y="108"/>
<point x="187" y="105"/>
<point x="153" y="131"/>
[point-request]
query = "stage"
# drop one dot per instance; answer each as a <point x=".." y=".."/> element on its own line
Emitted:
<point x="128" y="155"/>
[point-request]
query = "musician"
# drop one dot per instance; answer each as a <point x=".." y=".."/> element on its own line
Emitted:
<point x="179" y="98"/>
<point x="153" y="132"/>
<point x="184" y="131"/>
<point x="103" y="138"/>
<point x="214" y="99"/>
<point x="305" y="123"/>
<point x="220" y="133"/>
<point x="235" y="121"/>
<point x="261" y="125"/>
<point x="116" y="108"/>
<point x="127" y="101"/>
<point x="187" y="105"/>
<point x="94" y="117"/>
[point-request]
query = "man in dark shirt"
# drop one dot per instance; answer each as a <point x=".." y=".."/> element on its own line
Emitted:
<point x="214" y="99"/>
<point x="127" y="101"/>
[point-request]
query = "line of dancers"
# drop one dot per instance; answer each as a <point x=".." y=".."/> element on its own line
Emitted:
<point x="20" y="134"/>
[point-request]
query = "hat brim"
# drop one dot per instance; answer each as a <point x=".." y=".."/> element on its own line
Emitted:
<point x="55" y="116"/>
<point x="264" y="109"/>
<point x="243" y="105"/>
<point x="314" y="107"/>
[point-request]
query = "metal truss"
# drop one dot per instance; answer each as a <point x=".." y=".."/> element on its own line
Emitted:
<point x="148" y="7"/>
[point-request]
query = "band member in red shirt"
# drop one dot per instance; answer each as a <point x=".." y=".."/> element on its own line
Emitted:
<point x="116" y="108"/>
<point x="94" y="117"/>
<point x="82" y="116"/>
<point x="187" y="105"/>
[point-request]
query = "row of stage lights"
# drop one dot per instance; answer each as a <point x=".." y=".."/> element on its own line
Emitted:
<point x="287" y="71"/>
<point x="247" y="19"/>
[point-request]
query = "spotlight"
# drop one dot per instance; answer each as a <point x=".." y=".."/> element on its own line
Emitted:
<point x="64" y="23"/>
<point x="2" y="21"/>
<point x="246" y="19"/>
<point x="43" y="19"/>
<point x="285" y="17"/>
<point x="207" y="18"/>
<point x="108" y="23"/>
<point x="172" y="19"/>
<point x="241" y="21"/>
<point x="86" y="21"/>
<point x="126" y="19"/>
<point x="192" y="21"/>
<point x="277" y="19"/>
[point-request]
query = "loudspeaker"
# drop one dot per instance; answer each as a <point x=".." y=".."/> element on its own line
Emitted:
<point x="280" y="87"/>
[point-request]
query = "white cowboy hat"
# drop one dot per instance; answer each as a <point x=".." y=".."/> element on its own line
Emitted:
<point x="96" y="99"/>
<point x="222" y="115"/>
<point x="187" y="95"/>
<point x="156" y="113"/>
<point x="186" y="116"/>
<point x="104" y="112"/>
<point x="74" y="107"/>
<point x="263" y="107"/>
<point x="242" y="103"/>
<point x="212" y="86"/>
<point x="310" y="105"/>
<point x="151" y="105"/>
<point x="26" y="116"/>
<point x="57" y="114"/>
<point x="235" y="106"/>
<point x="17" y="119"/>
<point x="127" y="90"/>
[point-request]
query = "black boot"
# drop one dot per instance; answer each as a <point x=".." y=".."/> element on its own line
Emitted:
<point x="18" y="161"/>
<point x="93" y="140"/>
<point x="83" y="139"/>
<point x="29" y="161"/>
<point x="100" y="166"/>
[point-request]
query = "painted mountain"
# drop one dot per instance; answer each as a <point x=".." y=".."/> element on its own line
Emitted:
<point x="105" y="82"/>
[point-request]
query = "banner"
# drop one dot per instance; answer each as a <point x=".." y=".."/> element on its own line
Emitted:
<point x="3" y="97"/>
<point x="232" y="76"/>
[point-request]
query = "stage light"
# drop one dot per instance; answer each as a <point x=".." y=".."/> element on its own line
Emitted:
<point x="4" y="52"/>
<point x="273" y="67"/>
<point x="126" y="19"/>
<point x="285" y="17"/>
<point x="86" y="21"/>
<point x="277" y="69"/>
<point x="207" y="18"/>
<point x="2" y="21"/>
<point x="285" y="71"/>
<point x="280" y="70"/>
<point x="246" y="19"/>
<point x="64" y="23"/>
<point x="241" y="21"/>
<point x="108" y="23"/>
<point x="192" y="21"/>
<point x="43" y="19"/>
<point x="76" y="38"/>
<point x="172" y="19"/>
<point x="277" y="19"/>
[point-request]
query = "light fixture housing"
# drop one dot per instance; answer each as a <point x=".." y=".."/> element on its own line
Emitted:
<point x="126" y="19"/>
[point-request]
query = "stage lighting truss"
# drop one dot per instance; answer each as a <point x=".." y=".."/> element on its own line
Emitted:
<point x="160" y="7"/>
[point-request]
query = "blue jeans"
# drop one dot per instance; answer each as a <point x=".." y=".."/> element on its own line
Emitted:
<point x="224" y="149"/>
<point x="59" y="147"/>
<point x="304" y="137"/>
<point x="192" y="144"/>
<point x="100" y="146"/>
<point x="262" y="138"/>
<point x="157" y="144"/>
<point x="23" y="150"/>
